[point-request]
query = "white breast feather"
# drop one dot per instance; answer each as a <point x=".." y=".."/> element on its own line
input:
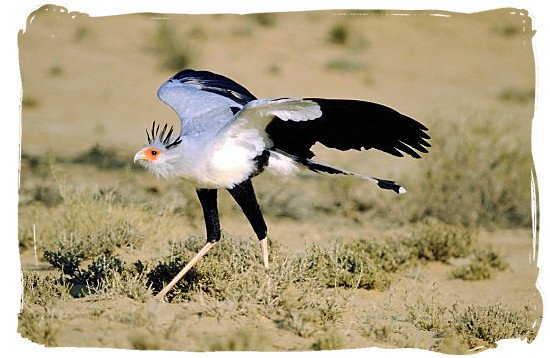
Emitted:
<point x="233" y="159"/>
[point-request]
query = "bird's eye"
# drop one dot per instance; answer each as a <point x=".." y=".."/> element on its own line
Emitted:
<point x="154" y="152"/>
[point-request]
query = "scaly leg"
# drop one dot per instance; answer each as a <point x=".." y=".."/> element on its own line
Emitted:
<point x="190" y="264"/>
<point x="208" y="199"/>
<point x="265" y="252"/>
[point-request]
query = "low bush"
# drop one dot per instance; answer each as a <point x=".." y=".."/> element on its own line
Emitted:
<point x="475" y="175"/>
<point x="492" y="323"/>
<point x="434" y="240"/>
<point x="482" y="266"/>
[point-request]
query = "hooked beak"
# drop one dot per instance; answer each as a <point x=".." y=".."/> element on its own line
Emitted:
<point x="139" y="156"/>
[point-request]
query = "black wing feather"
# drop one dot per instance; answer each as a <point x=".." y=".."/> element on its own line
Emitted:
<point x="351" y="124"/>
<point x="213" y="82"/>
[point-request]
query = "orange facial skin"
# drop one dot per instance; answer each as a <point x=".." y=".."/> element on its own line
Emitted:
<point x="151" y="153"/>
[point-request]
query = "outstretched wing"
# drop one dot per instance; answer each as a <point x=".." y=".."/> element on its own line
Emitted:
<point x="207" y="102"/>
<point x="204" y="101"/>
<point x="351" y="124"/>
<point x="257" y="114"/>
<point x="247" y="128"/>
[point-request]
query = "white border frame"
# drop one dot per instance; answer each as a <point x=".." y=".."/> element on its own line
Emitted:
<point x="15" y="18"/>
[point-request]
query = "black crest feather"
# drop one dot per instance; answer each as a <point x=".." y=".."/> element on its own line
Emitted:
<point x="164" y="139"/>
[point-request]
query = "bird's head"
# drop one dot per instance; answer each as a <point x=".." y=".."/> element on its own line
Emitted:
<point x="159" y="155"/>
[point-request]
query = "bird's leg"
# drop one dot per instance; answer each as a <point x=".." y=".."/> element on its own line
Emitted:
<point x="244" y="195"/>
<point x="184" y="270"/>
<point x="208" y="200"/>
<point x="209" y="203"/>
<point x="265" y="252"/>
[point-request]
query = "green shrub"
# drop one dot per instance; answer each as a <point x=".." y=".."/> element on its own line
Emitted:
<point x="232" y="269"/>
<point x="174" y="53"/>
<point x="346" y="65"/>
<point x="427" y="315"/>
<point x="49" y="195"/>
<point x="104" y="158"/>
<point x="241" y="339"/>
<point x="434" y="240"/>
<point x="36" y="324"/>
<point x="29" y="102"/>
<point x="339" y="34"/>
<point x="87" y="224"/>
<point x="161" y="274"/>
<point x="330" y="340"/>
<point x="105" y="240"/>
<point x="84" y="281"/>
<point x="519" y="96"/>
<point x="41" y="290"/>
<point x="343" y="265"/>
<point x="368" y="263"/>
<point x="306" y="308"/>
<point x="264" y="19"/>
<point x="142" y="339"/>
<point x="482" y="266"/>
<point x="475" y="175"/>
<point x="391" y="253"/>
<point x="492" y="323"/>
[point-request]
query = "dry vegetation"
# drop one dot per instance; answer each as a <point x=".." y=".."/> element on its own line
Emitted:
<point x="445" y="267"/>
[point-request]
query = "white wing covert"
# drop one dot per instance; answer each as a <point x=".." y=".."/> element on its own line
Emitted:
<point x="257" y="114"/>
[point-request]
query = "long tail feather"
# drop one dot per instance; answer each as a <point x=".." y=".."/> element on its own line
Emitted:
<point x="390" y="185"/>
<point x="323" y="168"/>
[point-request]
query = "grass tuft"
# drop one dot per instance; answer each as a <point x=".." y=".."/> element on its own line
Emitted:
<point x="509" y="30"/>
<point x="346" y="65"/>
<point x="242" y="339"/>
<point x="102" y="158"/>
<point x="36" y="324"/>
<point x="41" y="290"/>
<point x="29" y="102"/>
<point x="427" y="315"/>
<point x="512" y="95"/>
<point x="142" y="339"/>
<point x="55" y="71"/>
<point x="47" y="194"/>
<point x="343" y="265"/>
<point x="492" y="323"/>
<point x="482" y="266"/>
<point x="165" y="271"/>
<point x="265" y="19"/>
<point x="85" y="242"/>
<point x="84" y="281"/>
<point x="477" y="177"/>
<point x="434" y="240"/>
<point x="330" y="340"/>
<point x="174" y="53"/>
<point x="339" y="35"/>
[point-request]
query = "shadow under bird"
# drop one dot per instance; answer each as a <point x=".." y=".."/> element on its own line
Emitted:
<point x="228" y="136"/>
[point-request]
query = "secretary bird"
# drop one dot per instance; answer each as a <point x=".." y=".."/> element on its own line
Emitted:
<point x="228" y="136"/>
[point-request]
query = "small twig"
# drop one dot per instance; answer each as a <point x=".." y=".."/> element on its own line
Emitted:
<point x="34" y="241"/>
<point x="476" y="348"/>
<point x="417" y="273"/>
